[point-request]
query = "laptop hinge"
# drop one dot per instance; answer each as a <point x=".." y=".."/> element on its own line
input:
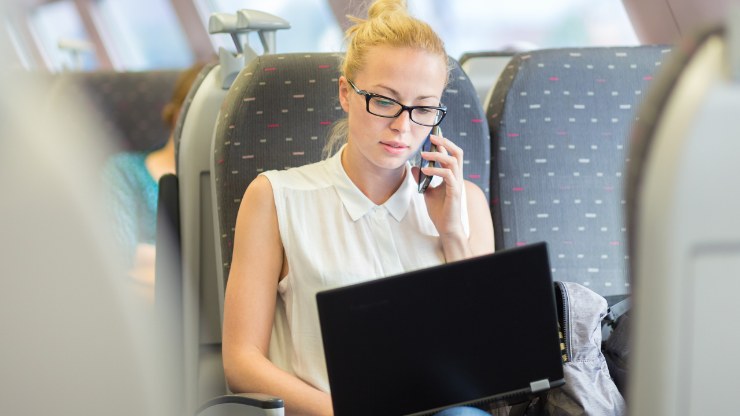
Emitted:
<point x="539" y="385"/>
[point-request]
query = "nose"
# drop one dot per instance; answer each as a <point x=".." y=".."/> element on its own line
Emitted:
<point x="402" y="123"/>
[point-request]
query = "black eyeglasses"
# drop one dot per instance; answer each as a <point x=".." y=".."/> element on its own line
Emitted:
<point x="381" y="106"/>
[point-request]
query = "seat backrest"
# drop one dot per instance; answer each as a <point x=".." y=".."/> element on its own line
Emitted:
<point x="128" y="104"/>
<point x="278" y="114"/>
<point x="685" y="232"/>
<point x="194" y="281"/>
<point x="560" y="121"/>
<point x="74" y="314"/>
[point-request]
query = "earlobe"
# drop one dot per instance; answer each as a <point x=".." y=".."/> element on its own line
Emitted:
<point x="343" y="93"/>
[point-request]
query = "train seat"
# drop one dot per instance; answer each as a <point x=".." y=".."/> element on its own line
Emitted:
<point x="186" y="260"/>
<point x="560" y="120"/>
<point x="685" y="231"/>
<point x="560" y="124"/>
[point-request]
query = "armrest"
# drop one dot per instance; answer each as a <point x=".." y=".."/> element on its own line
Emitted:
<point x="168" y="278"/>
<point x="243" y="404"/>
<point x="168" y="270"/>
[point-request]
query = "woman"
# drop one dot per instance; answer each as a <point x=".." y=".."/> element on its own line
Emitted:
<point x="353" y="217"/>
<point x="131" y="182"/>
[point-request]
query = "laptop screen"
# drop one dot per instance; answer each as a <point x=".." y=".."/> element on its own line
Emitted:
<point x="477" y="330"/>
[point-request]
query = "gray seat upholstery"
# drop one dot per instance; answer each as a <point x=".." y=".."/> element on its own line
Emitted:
<point x="560" y="121"/>
<point x="277" y="115"/>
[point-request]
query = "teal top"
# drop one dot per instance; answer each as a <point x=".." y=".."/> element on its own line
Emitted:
<point x="131" y="196"/>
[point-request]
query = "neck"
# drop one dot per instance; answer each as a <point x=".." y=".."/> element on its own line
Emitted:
<point x="162" y="161"/>
<point x="376" y="184"/>
<point x="168" y="149"/>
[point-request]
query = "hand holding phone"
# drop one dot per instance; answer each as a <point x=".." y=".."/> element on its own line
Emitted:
<point x="428" y="146"/>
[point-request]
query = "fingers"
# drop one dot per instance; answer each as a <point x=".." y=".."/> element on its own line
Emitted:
<point x="448" y="159"/>
<point x="448" y="145"/>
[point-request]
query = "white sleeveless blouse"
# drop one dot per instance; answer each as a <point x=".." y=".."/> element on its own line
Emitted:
<point x="333" y="235"/>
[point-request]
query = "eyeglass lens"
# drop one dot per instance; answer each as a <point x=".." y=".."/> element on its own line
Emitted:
<point x="387" y="108"/>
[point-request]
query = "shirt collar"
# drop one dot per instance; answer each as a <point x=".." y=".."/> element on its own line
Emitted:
<point x="357" y="204"/>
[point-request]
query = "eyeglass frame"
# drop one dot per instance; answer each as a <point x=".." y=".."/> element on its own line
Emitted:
<point x="370" y="95"/>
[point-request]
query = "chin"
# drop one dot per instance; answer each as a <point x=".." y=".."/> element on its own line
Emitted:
<point x="392" y="163"/>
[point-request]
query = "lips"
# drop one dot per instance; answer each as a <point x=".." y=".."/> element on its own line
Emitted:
<point x="395" y="148"/>
<point x="395" y="145"/>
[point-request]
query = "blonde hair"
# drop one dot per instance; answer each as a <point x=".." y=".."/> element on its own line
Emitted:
<point x="388" y="24"/>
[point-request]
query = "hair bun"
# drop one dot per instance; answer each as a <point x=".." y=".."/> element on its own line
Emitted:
<point x="382" y="7"/>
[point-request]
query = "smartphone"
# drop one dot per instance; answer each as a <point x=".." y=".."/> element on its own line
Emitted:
<point x="425" y="180"/>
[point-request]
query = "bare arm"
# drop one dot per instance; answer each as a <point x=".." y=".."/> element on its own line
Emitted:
<point x="481" y="224"/>
<point x="249" y="308"/>
<point x="444" y="205"/>
<point x="480" y="241"/>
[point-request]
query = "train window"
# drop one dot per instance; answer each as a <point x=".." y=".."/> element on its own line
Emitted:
<point x="475" y="25"/>
<point x="312" y="24"/>
<point x="143" y="34"/>
<point x="465" y="26"/>
<point x="64" y="42"/>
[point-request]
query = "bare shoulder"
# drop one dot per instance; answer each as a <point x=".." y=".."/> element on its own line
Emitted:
<point x="259" y="189"/>
<point x="257" y="237"/>
<point x="475" y="195"/>
<point x="257" y="211"/>
<point x="258" y="198"/>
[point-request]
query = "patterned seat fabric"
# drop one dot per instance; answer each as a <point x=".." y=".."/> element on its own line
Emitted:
<point x="128" y="104"/>
<point x="278" y="114"/>
<point x="560" y="121"/>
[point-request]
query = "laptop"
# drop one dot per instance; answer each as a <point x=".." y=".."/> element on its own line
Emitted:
<point x="470" y="332"/>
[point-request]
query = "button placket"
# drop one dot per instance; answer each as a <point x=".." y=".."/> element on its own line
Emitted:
<point x="388" y="255"/>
